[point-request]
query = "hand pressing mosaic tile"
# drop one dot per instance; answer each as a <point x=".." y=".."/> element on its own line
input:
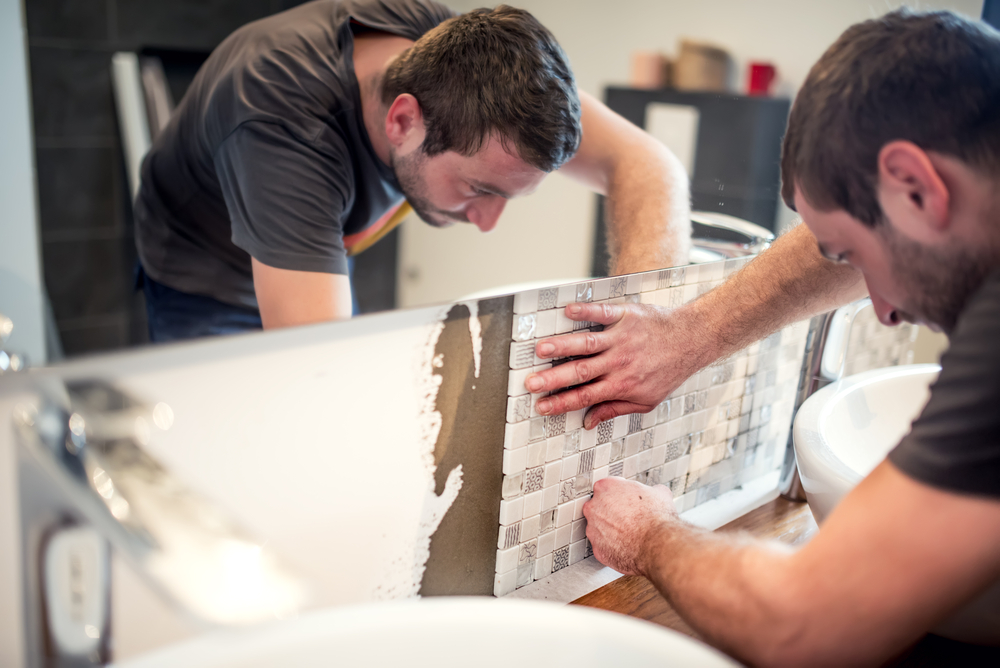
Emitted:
<point x="725" y="426"/>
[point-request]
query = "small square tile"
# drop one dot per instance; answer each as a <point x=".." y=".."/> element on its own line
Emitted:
<point x="525" y="574"/>
<point x="562" y="535"/>
<point x="567" y="295"/>
<point x="536" y="454"/>
<point x="574" y="420"/>
<point x="507" y="559"/>
<point x="577" y="551"/>
<point x="564" y="514"/>
<point x="547" y="298"/>
<point x="515" y="382"/>
<point x="555" y="425"/>
<point x="524" y="327"/>
<point x="512" y="485"/>
<point x="621" y="426"/>
<point x="532" y="503"/>
<point x="570" y="466"/>
<point x="605" y="431"/>
<point x="578" y="507"/>
<point x="633" y="285"/>
<point x="543" y="566"/>
<point x="505" y="583"/>
<point x="530" y="527"/>
<point x="528" y="551"/>
<point x="509" y="536"/>
<point x="584" y="292"/>
<point x="522" y="354"/>
<point x="553" y="473"/>
<point x="550" y="497"/>
<point x="579" y="531"/>
<point x="617" y="469"/>
<point x="545" y="324"/>
<point x="618" y="287"/>
<point x="602" y="289"/>
<point x="566" y="492"/>
<point x="602" y="455"/>
<point x="588" y="438"/>
<point x="536" y="429"/>
<point x="583" y="484"/>
<point x="560" y="559"/>
<point x="586" y="462"/>
<point x="601" y="473"/>
<point x="632" y="444"/>
<point x="515" y="435"/>
<point x="616" y="450"/>
<point x="533" y="478"/>
<point x="514" y="461"/>
<point x="573" y="443"/>
<point x="518" y="408"/>
<point x="649" y="280"/>
<point x="526" y="302"/>
<point x="546" y="523"/>
<point x="564" y="324"/>
<point x="634" y="423"/>
<point x="511" y="511"/>
<point x="554" y="447"/>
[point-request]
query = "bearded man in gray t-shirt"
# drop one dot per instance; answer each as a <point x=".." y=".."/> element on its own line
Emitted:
<point x="308" y="134"/>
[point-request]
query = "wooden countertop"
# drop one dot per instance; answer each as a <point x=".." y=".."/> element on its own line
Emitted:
<point x="786" y="521"/>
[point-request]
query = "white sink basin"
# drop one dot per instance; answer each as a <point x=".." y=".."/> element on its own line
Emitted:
<point x="844" y="431"/>
<point x="443" y="633"/>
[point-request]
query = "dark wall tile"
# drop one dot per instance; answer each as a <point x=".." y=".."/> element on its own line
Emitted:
<point x="89" y="278"/>
<point x="79" y="339"/>
<point x="77" y="190"/>
<point x="67" y="19"/>
<point x="71" y="92"/>
<point x="185" y="23"/>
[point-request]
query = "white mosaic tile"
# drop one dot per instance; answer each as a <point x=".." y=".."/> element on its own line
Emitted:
<point x="723" y="427"/>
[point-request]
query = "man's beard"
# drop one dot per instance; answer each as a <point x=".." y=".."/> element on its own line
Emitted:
<point x="940" y="281"/>
<point x="408" y="172"/>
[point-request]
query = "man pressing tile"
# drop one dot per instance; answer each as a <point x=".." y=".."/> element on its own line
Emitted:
<point x="305" y="135"/>
<point x="892" y="158"/>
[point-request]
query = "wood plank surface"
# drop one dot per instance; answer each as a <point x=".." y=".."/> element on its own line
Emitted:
<point x="785" y="521"/>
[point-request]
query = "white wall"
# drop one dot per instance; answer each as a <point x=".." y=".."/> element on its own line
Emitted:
<point x="20" y="276"/>
<point x="549" y="235"/>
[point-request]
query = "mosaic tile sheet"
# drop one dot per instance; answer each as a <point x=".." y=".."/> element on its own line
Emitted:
<point x="872" y="345"/>
<point x="724" y="426"/>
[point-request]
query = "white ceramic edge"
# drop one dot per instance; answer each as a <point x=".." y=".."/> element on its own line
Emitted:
<point x="230" y="645"/>
<point x="825" y="478"/>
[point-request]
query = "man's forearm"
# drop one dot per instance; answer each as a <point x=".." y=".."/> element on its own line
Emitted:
<point x="789" y="282"/>
<point x="647" y="211"/>
<point x="727" y="588"/>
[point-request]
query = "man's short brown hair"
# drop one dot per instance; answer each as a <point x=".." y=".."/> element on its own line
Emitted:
<point x="492" y="72"/>
<point x="929" y="78"/>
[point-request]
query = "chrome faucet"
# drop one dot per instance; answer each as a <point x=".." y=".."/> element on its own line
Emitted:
<point x="824" y="363"/>
<point x="8" y="361"/>
<point x="86" y="486"/>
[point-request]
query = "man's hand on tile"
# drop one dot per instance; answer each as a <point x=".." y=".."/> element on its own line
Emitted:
<point x="642" y="355"/>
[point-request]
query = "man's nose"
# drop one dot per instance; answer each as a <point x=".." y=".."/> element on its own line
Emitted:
<point x="486" y="213"/>
<point x="885" y="311"/>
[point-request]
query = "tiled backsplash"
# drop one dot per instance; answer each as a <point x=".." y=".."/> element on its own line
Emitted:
<point x="872" y="345"/>
<point x="724" y="426"/>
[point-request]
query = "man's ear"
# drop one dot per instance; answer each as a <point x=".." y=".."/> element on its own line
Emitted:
<point x="404" y="124"/>
<point x="911" y="191"/>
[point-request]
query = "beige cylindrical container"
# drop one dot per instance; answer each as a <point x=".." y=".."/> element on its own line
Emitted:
<point x="648" y="70"/>
<point x="702" y="66"/>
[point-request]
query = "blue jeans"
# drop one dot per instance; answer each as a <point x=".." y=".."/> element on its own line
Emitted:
<point x="176" y="316"/>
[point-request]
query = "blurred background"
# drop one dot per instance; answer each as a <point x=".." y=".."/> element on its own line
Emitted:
<point x="66" y="246"/>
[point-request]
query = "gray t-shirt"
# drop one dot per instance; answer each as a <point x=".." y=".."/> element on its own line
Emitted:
<point x="955" y="443"/>
<point x="267" y="154"/>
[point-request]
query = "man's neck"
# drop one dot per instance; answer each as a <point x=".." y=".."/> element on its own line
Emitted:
<point x="372" y="54"/>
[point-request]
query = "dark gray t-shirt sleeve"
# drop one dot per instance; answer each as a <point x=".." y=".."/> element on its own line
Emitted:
<point x="955" y="443"/>
<point x="285" y="200"/>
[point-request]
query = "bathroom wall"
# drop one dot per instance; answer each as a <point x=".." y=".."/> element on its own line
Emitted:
<point x="723" y="428"/>
<point x="549" y="235"/>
